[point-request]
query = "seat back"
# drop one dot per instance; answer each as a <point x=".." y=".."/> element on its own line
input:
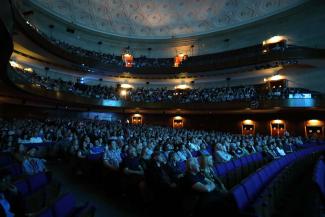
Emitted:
<point x="64" y="206"/>
<point x="252" y="186"/>
<point x="46" y="213"/>
<point x="37" y="181"/>
<point x="221" y="169"/>
<point x="22" y="187"/>
<point x="240" y="197"/>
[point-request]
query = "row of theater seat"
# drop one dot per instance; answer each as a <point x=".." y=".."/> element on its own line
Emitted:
<point x="259" y="193"/>
<point x="318" y="181"/>
<point x="35" y="192"/>
<point x="319" y="177"/>
<point x="234" y="171"/>
<point x="66" y="206"/>
<point x="38" y="195"/>
<point x="230" y="172"/>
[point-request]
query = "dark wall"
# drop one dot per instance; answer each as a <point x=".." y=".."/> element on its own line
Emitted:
<point x="294" y="119"/>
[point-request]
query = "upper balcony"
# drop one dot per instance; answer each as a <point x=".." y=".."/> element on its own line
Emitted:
<point x="102" y="62"/>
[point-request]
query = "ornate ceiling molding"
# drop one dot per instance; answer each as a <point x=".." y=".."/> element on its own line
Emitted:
<point x="163" y="19"/>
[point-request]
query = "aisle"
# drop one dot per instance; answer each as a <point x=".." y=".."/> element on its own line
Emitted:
<point x="300" y="197"/>
<point x="106" y="205"/>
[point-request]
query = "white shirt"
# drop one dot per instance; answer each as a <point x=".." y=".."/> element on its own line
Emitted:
<point x="222" y="156"/>
<point x="281" y="151"/>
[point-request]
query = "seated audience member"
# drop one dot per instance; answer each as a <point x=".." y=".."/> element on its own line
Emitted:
<point x="132" y="164"/>
<point x="112" y="156"/>
<point x="173" y="168"/>
<point x="203" y="149"/>
<point x="145" y="157"/>
<point x="194" y="144"/>
<point x="280" y="150"/>
<point x="210" y="199"/>
<point x="73" y="151"/>
<point x="195" y="179"/>
<point x="132" y="171"/>
<point x="183" y="153"/>
<point x="83" y="151"/>
<point x="236" y="151"/>
<point x="8" y="146"/>
<point x="206" y="163"/>
<point x="19" y="153"/>
<point x="157" y="176"/>
<point x="220" y="154"/>
<point x="5" y="184"/>
<point x="250" y="148"/>
<point x="97" y="148"/>
<point x="270" y="153"/>
<point x="31" y="164"/>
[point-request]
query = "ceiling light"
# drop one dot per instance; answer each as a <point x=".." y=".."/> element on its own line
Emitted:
<point x="126" y="86"/>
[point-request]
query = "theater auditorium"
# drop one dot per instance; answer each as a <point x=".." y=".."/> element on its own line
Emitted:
<point x="162" y="108"/>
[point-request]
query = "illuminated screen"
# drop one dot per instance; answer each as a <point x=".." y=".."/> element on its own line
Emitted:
<point x="301" y="102"/>
<point x="300" y="96"/>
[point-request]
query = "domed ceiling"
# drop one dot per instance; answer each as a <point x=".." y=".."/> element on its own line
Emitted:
<point x="159" y="19"/>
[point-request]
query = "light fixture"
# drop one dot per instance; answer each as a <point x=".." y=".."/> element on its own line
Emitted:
<point x="178" y="118"/>
<point x="314" y="122"/>
<point x="179" y="58"/>
<point x="15" y="64"/>
<point x="28" y="69"/>
<point x="275" y="77"/>
<point x="277" y="121"/>
<point x="126" y="86"/>
<point x="182" y="87"/>
<point x="274" y="39"/>
<point x="127" y="57"/>
<point x="248" y="122"/>
<point x="123" y="93"/>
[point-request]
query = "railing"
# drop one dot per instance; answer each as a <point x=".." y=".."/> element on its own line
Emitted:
<point x="231" y="59"/>
<point x="21" y="83"/>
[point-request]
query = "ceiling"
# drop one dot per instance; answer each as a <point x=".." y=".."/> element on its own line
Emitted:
<point x="162" y="19"/>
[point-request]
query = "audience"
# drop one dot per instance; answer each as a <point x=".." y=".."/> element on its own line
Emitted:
<point x="250" y="93"/>
<point x="142" y="156"/>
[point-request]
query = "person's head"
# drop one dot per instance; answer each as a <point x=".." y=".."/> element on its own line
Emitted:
<point x="132" y="152"/>
<point x="84" y="144"/>
<point x="21" y="148"/>
<point x="159" y="158"/>
<point x="31" y="151"/>
<point x="172" y="157"/>
<point x="113" y="144"/>
<point x="219" y="147"/>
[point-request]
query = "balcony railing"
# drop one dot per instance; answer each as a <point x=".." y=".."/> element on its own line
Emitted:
<point x="67" y="98"/>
